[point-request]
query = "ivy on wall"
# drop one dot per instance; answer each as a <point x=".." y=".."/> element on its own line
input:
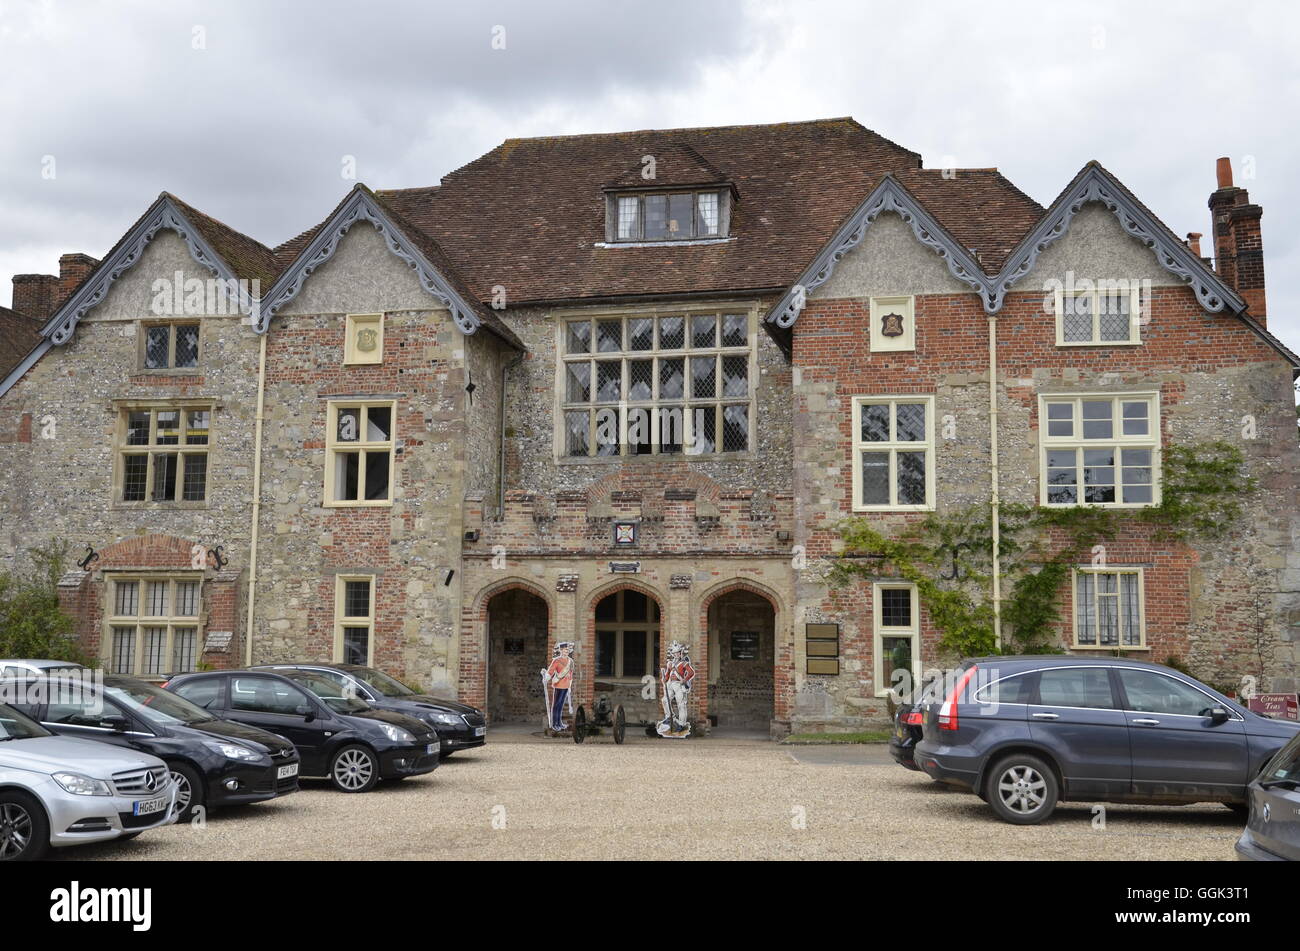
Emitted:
<point x="948" y="556"/>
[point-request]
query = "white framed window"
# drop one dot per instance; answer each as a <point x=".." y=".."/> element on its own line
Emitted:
<point x="169" y="346"/>
<point x="896" y="636"/>
<point x="152" y="624"/>
<point x="365" y="339"/>
<point x="162" y="452"/>
<point x="893" y="453"/>
<point x="359" y="453"/>
<point x="893" y="324"/>
<point x="679" y="383"/>
<point x="1109" y="608"/>
<point x="354" y="619"/>
<point x="1100" y="449"/>
<point x="668" y="216"/>
<point x="1106" y="314"/>
<point x="627" y="636"/>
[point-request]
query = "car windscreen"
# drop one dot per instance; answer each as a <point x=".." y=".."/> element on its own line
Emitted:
<point x="380" y="681"/>
<point x="15" y="726"/>
<point x="154" y="704"/>
<point x="328" y="691"/>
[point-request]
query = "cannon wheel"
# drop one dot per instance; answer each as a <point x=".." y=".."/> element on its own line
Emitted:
<point x="620" y="724"/>
<point x="580" y="725"/>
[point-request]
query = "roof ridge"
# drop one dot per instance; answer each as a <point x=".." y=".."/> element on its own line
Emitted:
<point x="700" y="128"/>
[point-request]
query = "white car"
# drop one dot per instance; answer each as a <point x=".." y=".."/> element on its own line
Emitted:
<point x="37" y="668"/>
<point x="58" y="791"/>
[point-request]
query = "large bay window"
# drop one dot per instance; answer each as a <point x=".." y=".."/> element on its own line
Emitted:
<point x="647" y="384"/>
<point x="1101" y="449"/>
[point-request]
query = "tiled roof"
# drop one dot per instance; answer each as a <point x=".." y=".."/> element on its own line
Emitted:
<point x="18" y="337"/>
<point x="244" y="256"/>
<point x="528" y="215"/>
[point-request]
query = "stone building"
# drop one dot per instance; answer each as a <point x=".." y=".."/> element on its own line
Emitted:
<point x="620" y="389"/>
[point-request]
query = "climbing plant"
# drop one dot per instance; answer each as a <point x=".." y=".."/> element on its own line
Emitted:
<point x="948" y="556"/>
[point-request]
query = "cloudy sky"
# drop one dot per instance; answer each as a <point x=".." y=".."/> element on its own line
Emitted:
<point x="251" y="110"/>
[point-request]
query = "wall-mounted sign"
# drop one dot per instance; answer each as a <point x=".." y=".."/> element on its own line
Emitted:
<point x="1279" y="706"/>
<point x="625" y="534"/>
<point x="625" y="567"/>
<point x="744" y="645"/>
<point x="822" y="647"/>
<point x="218" y="642"/>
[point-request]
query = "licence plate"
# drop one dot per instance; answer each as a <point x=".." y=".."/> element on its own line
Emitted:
<point x="480" y="731"/>
<point x="286" y="771"/>
<point x="148" y="807"/>
<point x="432" y="748"/>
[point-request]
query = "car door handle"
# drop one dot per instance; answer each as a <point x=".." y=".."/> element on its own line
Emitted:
<point x="1146" y="721"/>
<point x="1047" y="716"/>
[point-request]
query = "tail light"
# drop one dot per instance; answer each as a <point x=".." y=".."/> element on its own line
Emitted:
<point x="915" y="718"/>
<point x="948" y="711"/>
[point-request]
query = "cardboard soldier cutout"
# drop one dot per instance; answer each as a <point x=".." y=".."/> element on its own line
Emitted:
<point x="557" y="684"/>
<point x="676" y="674"/>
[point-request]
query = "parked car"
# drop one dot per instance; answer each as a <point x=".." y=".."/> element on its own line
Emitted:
<point x="59" y="791"/>
<point x="459" y="726"/>
<point x="340" y="738"/>
<point x="1028" y="732"/>
<point x="15" y="668"/>
<point x="215" y="762"/>
<point x="908" y="720"/>
<point x="1272" y="830"/>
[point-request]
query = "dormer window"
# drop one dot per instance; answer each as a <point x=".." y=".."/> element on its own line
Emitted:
<point x="669" y="216"/>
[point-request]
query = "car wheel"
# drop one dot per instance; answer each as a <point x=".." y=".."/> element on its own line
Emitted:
<point x="24" y="830"/>
<point x="189" y="791"/>
<point x="354" y="769"/>
<point x="1022" y="789"/>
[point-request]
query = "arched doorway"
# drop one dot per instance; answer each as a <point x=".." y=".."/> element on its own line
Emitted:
<point x="626" y="651"/>
<point x="742" y="662"/>
<point x="517" y="625"/>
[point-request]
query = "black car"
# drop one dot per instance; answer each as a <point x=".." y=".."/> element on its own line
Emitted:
<point x="1027" y="732"/>
<point x="215" y="762"/>
<point x="908" y="721"/>
<point x="338" y="737"/>
<point x="459" y="726"/>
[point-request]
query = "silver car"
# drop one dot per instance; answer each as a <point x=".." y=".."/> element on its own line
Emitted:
<point x="58" y="791"/>
<point x="1272" y="832"/>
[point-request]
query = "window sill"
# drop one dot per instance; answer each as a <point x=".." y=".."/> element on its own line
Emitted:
<point x="1099" y="343"/>
<point x="387" y="503"/>
<point x="893" y="508"/>
<point x="1107" y="647"/>
<point x="1098" y="505"/>
<point x="120" y="506"/>
<point x="741" y="456"/>
<point x="670" y="243"/>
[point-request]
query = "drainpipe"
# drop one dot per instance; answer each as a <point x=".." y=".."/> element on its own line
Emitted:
<point x="257" y="497"/>
<point x="995" y="502"/>
<point x="501" y="459"/>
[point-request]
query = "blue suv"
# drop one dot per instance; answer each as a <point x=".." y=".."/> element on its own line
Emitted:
<point x="1025" y="733"/>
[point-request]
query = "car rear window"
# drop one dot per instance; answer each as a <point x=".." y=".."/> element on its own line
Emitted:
<point x="1016" y="689"/>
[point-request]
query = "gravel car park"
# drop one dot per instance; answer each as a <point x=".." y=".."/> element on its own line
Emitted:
<point x="527" y="798"/>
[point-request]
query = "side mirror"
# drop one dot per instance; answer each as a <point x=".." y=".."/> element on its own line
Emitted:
<point x="309" y="716"/>
<point x="115" y="723"/>
<point x="1218" y="715"/>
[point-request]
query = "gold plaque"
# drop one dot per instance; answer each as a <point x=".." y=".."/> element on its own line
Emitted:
<point x="826" y="648"/>
<point x="823" y="666"/>
<point x="821" y="630"/>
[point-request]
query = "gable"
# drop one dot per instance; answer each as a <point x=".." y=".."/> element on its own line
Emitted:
<point x="1096" y="247"/>
<point x="889" y="260"/>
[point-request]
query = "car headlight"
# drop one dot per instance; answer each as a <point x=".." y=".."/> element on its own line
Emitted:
<point x="80" y="785"/>
<point x="446" y="719"/>
<point x="397" y="734"/>
<point x="233" y="751"/>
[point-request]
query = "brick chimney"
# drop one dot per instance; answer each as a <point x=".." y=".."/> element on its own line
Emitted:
<point x="1238" y="241"/>
<point x="36" y="295"/>
<point x="73" y="269"/>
